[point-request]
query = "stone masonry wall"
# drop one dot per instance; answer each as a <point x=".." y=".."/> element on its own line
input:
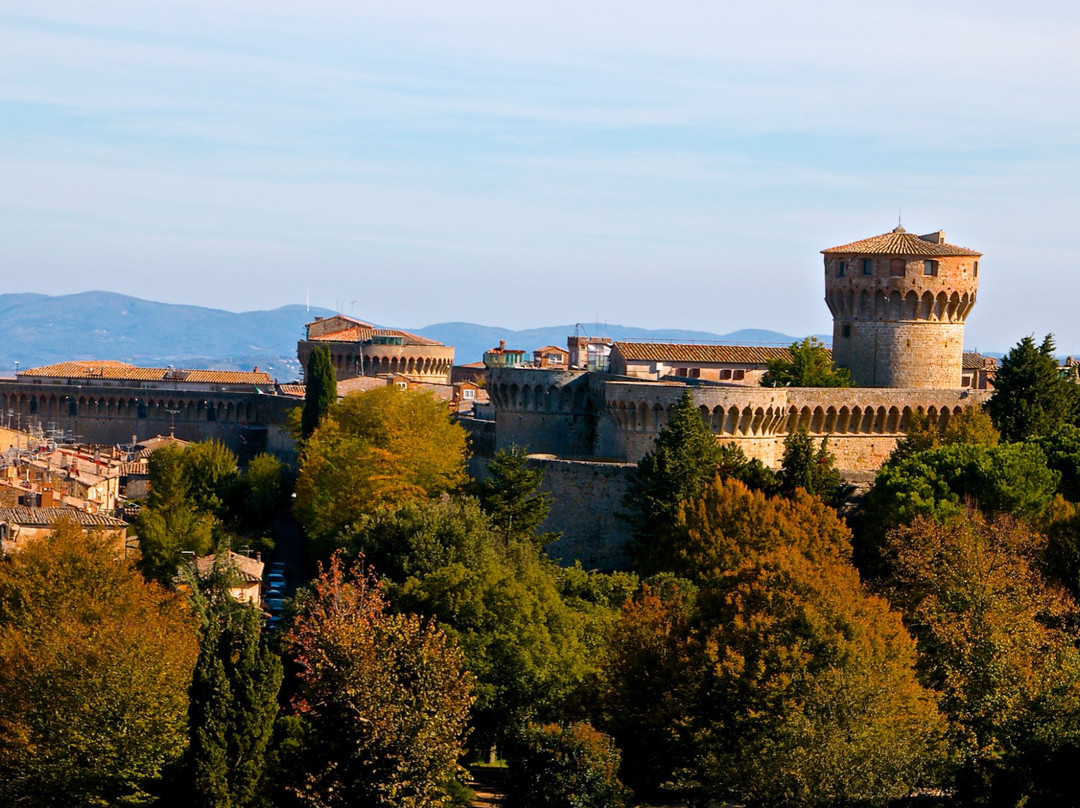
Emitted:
<point x="587" y="511"/>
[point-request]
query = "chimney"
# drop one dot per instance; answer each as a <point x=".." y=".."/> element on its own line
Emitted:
<point x="502" y="345"/>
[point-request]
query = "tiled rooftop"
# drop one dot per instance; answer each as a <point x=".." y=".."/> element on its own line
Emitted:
<point x="674" y="352"/>
<point x="974" y="361"/>
<point x="249" y="569"/>
<point x="900" y="242"/>
<point x="120" y="371"/>
<point x="46" y="517"/>
<point x="364" y="333"/>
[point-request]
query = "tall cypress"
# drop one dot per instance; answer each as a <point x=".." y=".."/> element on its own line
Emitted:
<point x="320" y="389"/>
<point x="233" y="703"/>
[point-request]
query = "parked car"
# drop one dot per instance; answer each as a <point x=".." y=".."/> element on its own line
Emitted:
<point x="274" y="581"/>
<point x="275" y="606"/>
<point x="277" y="568"/>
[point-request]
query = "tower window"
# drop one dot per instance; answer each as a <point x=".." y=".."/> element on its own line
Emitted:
<point x="929" y="267"/>
<point x="975" y="270"/>
<point x="845" y="330"/>
<point x="841" y="268"/>
<point x="867" y="266"/>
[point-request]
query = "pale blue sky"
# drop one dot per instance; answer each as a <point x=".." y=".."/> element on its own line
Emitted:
<point x="656" y="164"/>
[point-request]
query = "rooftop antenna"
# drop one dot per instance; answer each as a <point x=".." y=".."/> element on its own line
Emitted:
<point x="307" y="300"/>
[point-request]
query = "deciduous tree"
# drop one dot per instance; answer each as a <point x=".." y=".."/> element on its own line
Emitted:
<point x="808" y="693"/>
<point x="96" y="662"/>
<point x="996" y="641"/>
<point x="730" y="524"/>
<point x="499" y="600"/>
<point x="556" y="766"/>
<point x="810" y="366"/>
<point x="386" y="697"/>
<point x="376" y="449"/>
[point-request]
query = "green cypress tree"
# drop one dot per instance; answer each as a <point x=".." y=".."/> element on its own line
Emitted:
<point x="320" y="389"/>
<point x="233" y="700"/>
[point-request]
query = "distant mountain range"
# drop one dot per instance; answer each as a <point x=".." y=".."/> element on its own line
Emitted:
<point x="42" y="330"/>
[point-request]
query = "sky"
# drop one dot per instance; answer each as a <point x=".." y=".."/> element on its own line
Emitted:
<point x="662" y="165"/>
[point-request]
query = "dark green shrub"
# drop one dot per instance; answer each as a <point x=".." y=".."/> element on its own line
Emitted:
<point x="564" y="767"/>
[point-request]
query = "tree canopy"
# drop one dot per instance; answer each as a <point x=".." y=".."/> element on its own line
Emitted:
<point x="996" y="641"/>
<point x="499" y="600"/>
<point x="729" y="524"/>
<point x="385" y="697"/>
<point x="810" y="366"/>
<point x="233" y="699"/>
<point x="1031" y="397"/>
<point x="376" y="449"/>
<point x="684" y="461"/>
<point x="96" y="662"/>
<point x="511" y="495"/>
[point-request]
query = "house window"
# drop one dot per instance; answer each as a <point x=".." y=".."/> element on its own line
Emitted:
<point x="725" y="373"/>
<point x="929" y="267"/>
<point x="738" y="374"/>
<point x="841" y="268"/>
<point x="845" y="330"/>
<point x="896" y="267"/>
<point x="468" y="394"/>
<point x="867" y="266"/>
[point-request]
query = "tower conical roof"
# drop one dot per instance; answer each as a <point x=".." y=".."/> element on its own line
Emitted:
<point x="900" y="242"/>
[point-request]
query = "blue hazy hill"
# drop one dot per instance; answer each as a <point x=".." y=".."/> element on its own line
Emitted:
<point x="44" y="329"/>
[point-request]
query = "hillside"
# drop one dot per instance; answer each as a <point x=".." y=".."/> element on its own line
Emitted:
<point x="43" y="329"/>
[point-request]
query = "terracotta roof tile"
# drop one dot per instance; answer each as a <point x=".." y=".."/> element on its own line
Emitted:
<point x="727" y="354"/>
<point x="249" y="569"/>
<point x="120" y="371"/>
<point x="45" y="517"/>
<point x="900" y="242"/>
<point x="364" y="333"/>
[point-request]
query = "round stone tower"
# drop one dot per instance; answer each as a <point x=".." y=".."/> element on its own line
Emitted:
<point x="898" y="303"/>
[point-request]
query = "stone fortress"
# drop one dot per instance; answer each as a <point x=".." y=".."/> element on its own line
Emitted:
<point x="899" y="303"/>
<point x="361" y="349"/>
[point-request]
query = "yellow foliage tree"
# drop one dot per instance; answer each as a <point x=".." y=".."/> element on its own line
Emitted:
<point x="96" y="665"/>
<point x="376" y="449"/>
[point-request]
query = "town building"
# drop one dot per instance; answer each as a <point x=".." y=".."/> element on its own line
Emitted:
<point x="551" y="357"/>
<point x="737" y="364"/>
<point x="21" y="525"/>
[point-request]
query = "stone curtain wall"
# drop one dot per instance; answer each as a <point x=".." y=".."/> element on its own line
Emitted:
<point x="587" y="511"/>
<point x="579" y="415"/>
<point x="98" y="414"/>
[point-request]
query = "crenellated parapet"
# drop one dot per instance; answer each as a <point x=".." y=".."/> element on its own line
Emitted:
<point x="592" y="414"/>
